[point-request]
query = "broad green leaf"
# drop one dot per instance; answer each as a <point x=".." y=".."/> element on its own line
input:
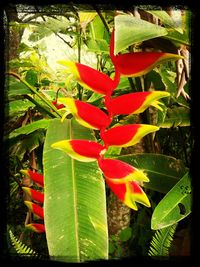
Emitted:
<point x="14" y="87"/>
<point x="178" y="116"/>
<point x="130" y="30"/>
<point x="29" y="128"/>
<point x="178" y="38"/>
<point x="162" y="171"/>
<point x="175" y="24"/>
<point x="18" y="107"/>
<point x="75" y="200"/>
<point x="175" y="205"/>
<point x="97" y="28"/>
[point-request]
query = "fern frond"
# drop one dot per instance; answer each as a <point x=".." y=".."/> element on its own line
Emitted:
<point x="162" y="241"/>
<point x="21" y="248"/>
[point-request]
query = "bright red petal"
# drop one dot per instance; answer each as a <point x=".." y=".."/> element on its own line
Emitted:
<point x="34" y="194"/>
<point x="135" y="64"/>
<point x="127" y="135"/>
<point x="36" y="209"/>
<point x="135" y="103"/>
<point x="96" y="80"/>
<point x="82" y="150"/>
<point x="36" y="177"/>
<point x="36" y="227"/>
<point x="118" y="172"/>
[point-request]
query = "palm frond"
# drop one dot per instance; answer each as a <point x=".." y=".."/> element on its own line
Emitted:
<point x="161" y="241"/>
<point x="21" y="248"/>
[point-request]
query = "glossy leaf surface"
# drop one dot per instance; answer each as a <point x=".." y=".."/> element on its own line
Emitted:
<point x="75" y="203"/>
<point x="130" y="30"/>
<point x="175" y="205"/>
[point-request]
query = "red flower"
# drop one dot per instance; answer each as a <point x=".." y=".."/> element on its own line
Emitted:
<point x="92" y="79"/>
<point x="82" y="150"/>
<point x="135" y="103"/>
<point x="135" y="64"/>
<point x="86" y="114"/>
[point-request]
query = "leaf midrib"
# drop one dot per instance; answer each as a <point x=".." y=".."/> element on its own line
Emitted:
<point x="74" y="199"/>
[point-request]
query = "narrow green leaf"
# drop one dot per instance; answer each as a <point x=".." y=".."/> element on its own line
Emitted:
<point x="175" y="206"/>
<point x="130" y="30"/>
<point x="14" y="87"/>
<point x="29" y="128"/>
<point x="162" y="171"/>
<point x="75" y="200"/>
<point x="167" y="20"/>
<point x="178" y="116"/>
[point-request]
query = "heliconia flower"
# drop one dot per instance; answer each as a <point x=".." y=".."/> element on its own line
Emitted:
<point x="135" y="64"/>
<point x="36" y="177"/>
<point x="129" y="193"/>
<point x="34" y="194"/>
<point x="86" y="114"/>
<point x="92" y="79"/>
<point x="58" y="106"/>
<point x="36" y="209"/>
<point x="135" y="103"/>
<point x="82" y="150"/>
<point x="118" y="172"/>
<point x="36" y="227"/>
<point x="127" y="135"/>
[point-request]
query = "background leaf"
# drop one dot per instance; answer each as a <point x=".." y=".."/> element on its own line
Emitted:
<point x="175" y="206"/>
<point x="75" y="201"/>
<point x="130" y="30"/>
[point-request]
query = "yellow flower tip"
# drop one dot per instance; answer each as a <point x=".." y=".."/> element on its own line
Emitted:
<point x="25" y="172"/>
<point x="26" y="190"/>
<point x="28" y="204"/>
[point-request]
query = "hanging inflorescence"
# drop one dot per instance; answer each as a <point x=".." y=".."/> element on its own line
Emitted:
<point x="123" y="179"/>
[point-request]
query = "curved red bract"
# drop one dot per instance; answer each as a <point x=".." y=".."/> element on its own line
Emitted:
<point x="120" y="135"/>
<point x="87" y="148"/>
<point x="96" y="80"/>
<point x="128" y="103"/>
<point x="92" y="115"/>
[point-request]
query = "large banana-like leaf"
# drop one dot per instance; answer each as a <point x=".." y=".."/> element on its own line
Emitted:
<point x="75" y="200"/>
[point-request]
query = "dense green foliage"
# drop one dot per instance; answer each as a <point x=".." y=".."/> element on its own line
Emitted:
<point x="34" y="79"/>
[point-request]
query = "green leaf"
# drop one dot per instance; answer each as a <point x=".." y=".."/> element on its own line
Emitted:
<point x="15" y="87"/>
<point x="18" y="107"/>
<point x="175" y="205"/>
<point x="162" y="241"/>
<point x="167" y="20"/>
<point x="130" y="30"/>
<point x="162" y="171"/>
<point x="178" y="116"/>
<point x="125" y="234"/>
<point x="75" y="200"/>
<point x="32" y="77"/>
<point x="29" y="128"/>
<point x="178" y="38"/>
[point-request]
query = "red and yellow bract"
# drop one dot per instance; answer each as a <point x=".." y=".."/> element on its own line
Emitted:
<point x="36" y="227"/>
<point x="135" y="103"/>
<point x="92" y="79"/>
<point x="36" y="209"/>
<point x="36" y="177"/>
<point x="34" y="194"/>
<point x="135" y="64"/>
<point x="82" y="150"/>
<point x="86" y="114"/>
<point x="127" y="135"/>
